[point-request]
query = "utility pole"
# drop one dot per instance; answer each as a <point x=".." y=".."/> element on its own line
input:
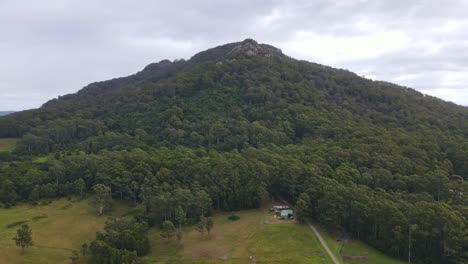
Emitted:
<point x="409" y="246"/>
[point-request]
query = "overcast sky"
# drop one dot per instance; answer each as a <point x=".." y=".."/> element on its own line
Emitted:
<point x="55" y="47"/>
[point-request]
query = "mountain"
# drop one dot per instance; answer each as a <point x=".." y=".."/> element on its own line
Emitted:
<point x="4" y="113"/>
<point x="243" y="121"/>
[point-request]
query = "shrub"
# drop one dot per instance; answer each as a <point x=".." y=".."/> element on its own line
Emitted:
<point x="17" y="223"/>
<point x="234" y="217"/>
<point x="38" y="217"/>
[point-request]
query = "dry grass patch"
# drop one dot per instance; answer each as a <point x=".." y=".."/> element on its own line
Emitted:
<point x="256" y="233"/>
<point x="62" y="226"/>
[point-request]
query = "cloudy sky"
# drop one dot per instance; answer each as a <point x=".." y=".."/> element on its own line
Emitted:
<point x="54" y="47"/>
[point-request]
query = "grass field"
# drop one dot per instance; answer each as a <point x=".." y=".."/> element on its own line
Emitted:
<point x="375" y="256"/>
<point x="356" y="248"/>
<point x="64" y="225"/>
<point x="40" y="160"/>
<point x="257" y="233"/>
<point x="58" y="228"/>
<point x="7" y="144"/>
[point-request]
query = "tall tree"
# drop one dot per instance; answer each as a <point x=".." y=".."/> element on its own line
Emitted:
<point x="201" y="225"/>
<point x="180" y="216"/>
<point x="57" y="171"/>
<point x="102" y="199"/>
<point x="80" y="187"/>
<point x="179" y="235"/>
<point x="202" y="202"/>
<point x="302" y="207"/>
<point x="209" y="224"/>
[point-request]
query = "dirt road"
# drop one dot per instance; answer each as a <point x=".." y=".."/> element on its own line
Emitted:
<point x="324" y="244"/>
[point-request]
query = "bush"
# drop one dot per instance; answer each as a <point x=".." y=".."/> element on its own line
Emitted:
<point x="234" y="217"/>
<point x="38" y="217"/>
<point x="17" y="223"/>
<point x="45" y="202"/>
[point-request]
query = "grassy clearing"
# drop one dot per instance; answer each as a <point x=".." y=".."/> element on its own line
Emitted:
<point x="58" y="228"/>
<point x="7" y="144"/>
<point x="375" y="256"/>
<point x="40" y="160"/>
<point x="356" y="248"/>
<point x="331" y="241"/>
<point x="257" y="233"/>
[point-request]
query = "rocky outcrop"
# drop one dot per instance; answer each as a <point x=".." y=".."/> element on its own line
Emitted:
<point x="250" y="48"/>
<point x="239" y="50"/>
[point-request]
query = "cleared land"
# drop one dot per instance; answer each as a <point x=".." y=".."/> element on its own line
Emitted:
<point x="7" y="144"/>
<point x="257" y="233"/>
<point x="355" y="248"/>
<point x="64" y="225"/>
<point x="58" y="228"/>
<point x="324" y="243"/>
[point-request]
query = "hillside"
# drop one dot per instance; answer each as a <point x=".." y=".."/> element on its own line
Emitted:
<point x="241" y="122"/>
<point x="4" y="113"/>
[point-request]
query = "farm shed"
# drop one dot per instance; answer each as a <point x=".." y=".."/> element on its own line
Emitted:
<point x="286" y="214"/>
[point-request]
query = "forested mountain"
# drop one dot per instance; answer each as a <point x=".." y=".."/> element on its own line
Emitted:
<point x="3" y="113"/>
<point x="239" y="122"/>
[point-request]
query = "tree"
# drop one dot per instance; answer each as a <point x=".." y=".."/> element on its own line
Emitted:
<point x="84" y="249"/>
<point x="168" y="230"/>
<point x="411" y="229"/>
<point x="201" y="225"/>
<point x="202" y="202"/>
<point x="209" y="224"/>
<point x="23" y="237"/>
<point x="102" y="197"/>
<point x="57" y="171"/>
<point x="80" y="187"/>
<point x="122" y="241"/>
<point x="179" y="235"/>
<point x="180" y="216"/>
<point x="302" y="207"/>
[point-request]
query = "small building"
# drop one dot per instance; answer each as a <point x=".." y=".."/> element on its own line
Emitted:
<point x="278" y="208"/>
<point x="286" y="214"/>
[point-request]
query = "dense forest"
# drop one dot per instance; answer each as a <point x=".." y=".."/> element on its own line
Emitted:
<point x="240" y="123"/>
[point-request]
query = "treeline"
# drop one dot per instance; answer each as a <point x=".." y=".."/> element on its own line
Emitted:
<point x="230" y="180"/>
